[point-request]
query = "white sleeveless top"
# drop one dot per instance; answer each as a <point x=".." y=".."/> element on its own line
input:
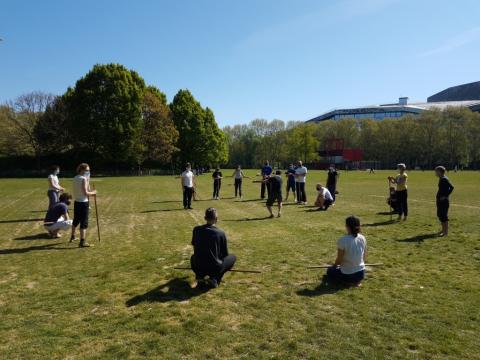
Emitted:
<point x="55" y="182"/>
<point x="78" y="194"/>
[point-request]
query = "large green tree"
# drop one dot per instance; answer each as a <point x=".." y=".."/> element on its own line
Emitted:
<point x="105" y="113"/>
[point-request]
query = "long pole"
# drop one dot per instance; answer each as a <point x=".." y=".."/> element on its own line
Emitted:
<point x="327" y="266"/>
<point x="389" y="199"/>
<point x="233" y="270"/>
<point x="96" y="213"/>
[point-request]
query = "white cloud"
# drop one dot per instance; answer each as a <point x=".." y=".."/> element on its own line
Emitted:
<point x="455" y="42"/>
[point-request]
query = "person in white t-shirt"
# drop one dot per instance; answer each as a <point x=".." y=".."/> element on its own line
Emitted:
<point x="300" y="178"/>
<point x="324" y="198"/>
<point x="349" y="267"/>
<point x="188" y="186"/>
<point x="54" y="188"/>
<point x="81" y="205"/>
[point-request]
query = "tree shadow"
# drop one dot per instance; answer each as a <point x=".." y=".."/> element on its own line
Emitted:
<point x="41" y="236"/>
<point x="381" y="223"/>
<point x="177" y="289"/>
<point x="324" y="288"/>
<point x="250" y="219"/>
<point x="34" y="248"/>
<point x="18" y="221"/>
<point x="419" y="238"/>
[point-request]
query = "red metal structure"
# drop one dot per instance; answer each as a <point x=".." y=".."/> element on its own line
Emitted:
<point x="335" y="153"/>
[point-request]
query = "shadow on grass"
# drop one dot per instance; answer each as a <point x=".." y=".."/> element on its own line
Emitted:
<point x="323" y="288"/>
<point x="34" y="248"/>
<point x="250" y="219"/>
<point x="252" y="200"/>
<point x="41" y="236"/>
<point x="177" y="289"/>
<point x="166" y="201"/>
<point x="419" y="238"/>
<point x="381" y="223"/>
<point x="18" y="221"/>
<point x="387" y="213"/>
<point x="38" y="211"/>
<point x="162" y="210"/>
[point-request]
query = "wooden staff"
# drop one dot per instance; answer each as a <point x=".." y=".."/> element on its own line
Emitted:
<point x="327" y="266"/>
<point x="96" y="213"/>
<point x="233" y="270"/>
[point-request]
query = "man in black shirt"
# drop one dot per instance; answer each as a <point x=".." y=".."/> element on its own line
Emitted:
<point x="445" y="188"/>
<point x="210" y="252"/>
<point x="275" y="185"/>
<point x="217" y="183"/>
<point x="332" y="179"/>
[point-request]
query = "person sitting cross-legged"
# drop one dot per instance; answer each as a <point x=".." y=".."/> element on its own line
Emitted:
<point x="349" y="267"/>
<point x="210" y="252"/>
<point x="324" y="198"/>
<point x="57" y="217"/>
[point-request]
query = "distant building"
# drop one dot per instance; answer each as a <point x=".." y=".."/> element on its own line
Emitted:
<point x="467" y="95"/>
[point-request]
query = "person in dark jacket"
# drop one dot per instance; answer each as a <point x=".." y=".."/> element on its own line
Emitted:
<point x="275" y="184"/>
<point x="445" y="188"/>
<point x="210" y="252"/>
<point x="332" y="179"/>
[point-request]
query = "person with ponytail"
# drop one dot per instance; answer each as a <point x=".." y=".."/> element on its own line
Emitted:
<point x="349" y="267"/>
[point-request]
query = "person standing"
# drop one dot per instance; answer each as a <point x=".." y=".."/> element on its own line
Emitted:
<point x="54" y="188"/>
<point x="300" y="178"/>
<point x="332" y="179"/>
<point x="210" y="252"/>
<point x="349" y="266"/>
<point x="401" y="191"/>
<point x="275" y="183"/>
<point x="57" y="217"/>
<point x="188" y="186"/>
<point x="266" y="172"/>
<point x="238" y="176"/>
<point x="291" y="181"/>
<point x="445" y="188"/>
<point x="81" y="206"/>
<point x="217" y="183"/>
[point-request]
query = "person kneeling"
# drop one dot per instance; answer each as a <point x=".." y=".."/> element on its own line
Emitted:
<point x="57" y="217"/>
<point x="349" y="267"/>
<point x="324" y="198"/>
<point x="210" y="252"/>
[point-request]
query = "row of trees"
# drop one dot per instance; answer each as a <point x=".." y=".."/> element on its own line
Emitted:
<point x="451" y="137"/>
<point x="112" y="115"/>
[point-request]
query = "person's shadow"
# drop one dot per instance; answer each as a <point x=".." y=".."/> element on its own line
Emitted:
<point x="34" y="248"/>
<point x="177" y="289"/>
<point x="41" y="236"/>
<point x="324" y="288"/>
<point x="382" y="223"/>
<point x="419" y="238"/>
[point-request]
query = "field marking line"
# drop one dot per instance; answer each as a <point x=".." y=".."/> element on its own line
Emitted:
<point x="433" y="202"/>
<point x="19" y="198"/>
<point x="194" y="218"/>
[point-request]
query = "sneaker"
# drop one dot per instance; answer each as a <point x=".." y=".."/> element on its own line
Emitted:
<point x="213" y="283"/>
<point x="279" y="215"/>
<point x="72" y="238"/>
<point x="271" y="216"/>
<point x="190" y="208"/>
<point x="83" y="244"/>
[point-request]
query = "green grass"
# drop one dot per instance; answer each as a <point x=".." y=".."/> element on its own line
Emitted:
<point x="122" y="298"/>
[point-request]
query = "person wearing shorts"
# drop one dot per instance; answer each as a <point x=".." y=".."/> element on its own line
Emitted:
<point x="81" y="205"/>
<point x="57" y="217"/>
<point x="445" y="188"/>
<point x="275" y="184"/>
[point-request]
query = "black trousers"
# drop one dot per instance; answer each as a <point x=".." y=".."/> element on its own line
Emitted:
<point x="301" y="194"/>
<point x="215" y="273"/>
<point x="327" y="204"/>
<point x="238" y="187"/>
<point x="402" y="202"/>
<point x="332" y="189"/>
<point x="262" y="192"/>
<point x="217" y="184"/>
<point x="442" y="210"/>
<point x="187" y="196"/>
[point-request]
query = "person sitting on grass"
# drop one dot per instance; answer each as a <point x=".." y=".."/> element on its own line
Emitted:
<point x="445" y="188"/>
<point x="57" y="217"/>
<point x="324" y="198"/>
<point x="275" y="185"/>
<point x="210" y="252"/>
<point x="349" y="267"/>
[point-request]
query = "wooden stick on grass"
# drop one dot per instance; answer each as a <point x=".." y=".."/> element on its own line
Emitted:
<point x="233" y="270"/>
<point x="327" y="266"/>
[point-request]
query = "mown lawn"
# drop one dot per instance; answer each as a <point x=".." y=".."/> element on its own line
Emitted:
<point x="123" y="299"/>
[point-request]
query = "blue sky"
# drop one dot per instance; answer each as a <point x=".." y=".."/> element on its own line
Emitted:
<point x="283" y="59"/>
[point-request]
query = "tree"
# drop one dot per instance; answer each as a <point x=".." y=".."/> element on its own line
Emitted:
<point x="215" y="140"/>
<point x="105" y="113"/>
<point x="302" y="143"/>
<point x="159" y="135"/>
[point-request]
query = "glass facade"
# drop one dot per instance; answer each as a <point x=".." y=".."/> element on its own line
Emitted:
<point x="372" y="115"/>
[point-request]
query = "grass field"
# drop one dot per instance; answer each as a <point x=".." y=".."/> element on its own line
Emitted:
<point x="123" y="299"/>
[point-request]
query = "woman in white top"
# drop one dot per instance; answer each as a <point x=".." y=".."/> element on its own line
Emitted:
<point x="349" y="267"/>
<point x="54" y="188"/>
<point x="238" y="175"/>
